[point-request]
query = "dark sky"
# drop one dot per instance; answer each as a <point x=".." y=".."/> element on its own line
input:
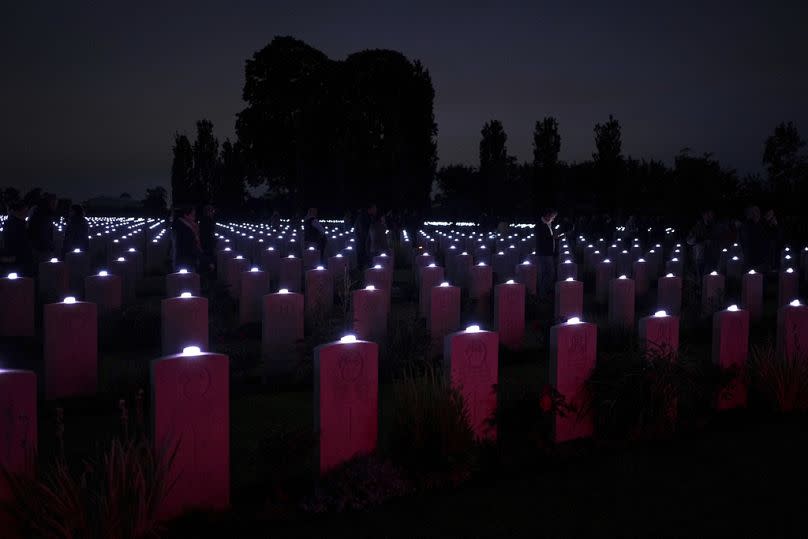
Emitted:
<point x="91" y="92"/>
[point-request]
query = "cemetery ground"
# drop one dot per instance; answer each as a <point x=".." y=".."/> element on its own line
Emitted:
<point x="649" y="471"/>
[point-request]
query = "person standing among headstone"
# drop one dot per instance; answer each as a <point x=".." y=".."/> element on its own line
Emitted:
<point x="546" y="251"/>
<point x="362" y="233"/>
<point x="314" y="232"/>
<point x="16" y="249"/>
<point x="77" y="231"/>
<point x="186" y="241"/>
<point x="701" y="240"/>
<point x="40" y="229"/>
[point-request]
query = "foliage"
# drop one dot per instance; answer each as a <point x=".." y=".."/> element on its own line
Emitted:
<point x="407" y="346"/>
<point x="181" y="167"/>
<point x="115" y="495"/>
<point x="430" y="436"/>
<point x="546" y="147"/>
<point x="338" y="133"/>
<point x="155" y="201"/>
<point x="361" y="483"/>
<point x="640" y="394"/>
<point x="781" y="383"/>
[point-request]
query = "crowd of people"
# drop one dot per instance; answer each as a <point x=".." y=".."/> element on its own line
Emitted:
<point x="29" y="234"/>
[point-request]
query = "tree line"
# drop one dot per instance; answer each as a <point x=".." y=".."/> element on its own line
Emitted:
<point x="338" y="134"/>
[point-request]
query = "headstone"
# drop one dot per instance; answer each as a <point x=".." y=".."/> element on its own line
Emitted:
<point x="573" y="352"/>
<point x="346" y="396"/>
<point x="788" y="286"/>
<point x="254" y="286"/>
<point x="430" y="277"/>
<point x="463" y="264"/>
<point x="640" y="273"/>
<point x="290" y="274"/>
<point x="509" y="314"/>
<point x="604" y="273"/>
<point x="16" y="306"/>
<point x="52" y="281"/>
<point x="221" y="263"/>
<point x="569" y="299"/>
<point x="71" y="348"/>
<point x="659" y="334"/>
<point x="338" y="269"/>
<point x="236" y="267"/>
<point x="712" y="293"/>
<point x="622" y="300"/>
<point x="471" y="364"/>
<point x="792" y="332"/>
<point x="624" y="263"/>
<point x="567" y="269"/>
<point x="106" y="291"/>
<point x="735" y="269"/>
<point x="675" y="266"/>
<point x="182" y="281"/>
<point x="311" y="258"/>
<point x="184" y="322"/>
<point x="18" y="427"/>
<point x="669" y="294"/>
<point x="382" y="279"/>
<point x="136" y="258"/>
<point x="444" y="313"/>
<point x="481" y="279"/>
<point x="271" y="263"/>
<point x="730" y="351"/>
<point x="370" y="314"/>
<point x="527" y="274"/>
<point x="752" y="294"/>
<point x="78" y="267"/>
<point x="319" y="294"/>
<point x="191" y="418"/>
<point x="126" y="271"/>
<point x="281" y="330"/>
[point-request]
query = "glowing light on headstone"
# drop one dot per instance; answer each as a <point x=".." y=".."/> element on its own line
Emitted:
<point x="660" y="314"/>
<point x="191" y="351"/>
<point x="733" y="308"/>
<point x="283" y="291"/>
<point x="69" y="300"/>
<point x="12" y="276"/>
<point x="348" y="339"/>
<point x="574" y="320"/>
<point x="103" y="273"/>
<point x="185" y="295"/>
<point x="473" y="329"/>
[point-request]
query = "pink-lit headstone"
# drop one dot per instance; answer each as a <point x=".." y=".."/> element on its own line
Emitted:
<point x="712" y="292"/>
<point x="236" y="267"/>
<point x="370" y="314"/>
<point x="569" y="299"/>
<point x="126" y="271"/>
<point x="730" y="351"/>
<point x="788" y="286"/>
<point x="105" y="290"/>
<point x="319" y="294"/>
<point x="71" y="349"/>
<point x="640" y="276"/>
<point x="271" y="263"/>
<point x="254" y="286"/>
<point x="481" y="281"/>
<point x="430" y="277"/>
<point x="621" y="303"/>
<point x="182" y="281"/>
<point x="78" y="267"/>
<point x="792" y="331"/>
<point x="381" y="277"/>
<point x="346" y="393"/>
<point x="573" y="352"/>
<point x="52" y="281"/>
<point x="18" y="426"/>
<point x="659" y="333"/>
<point x="566" y="269"/>
<point x="604" y="273"/>
<point x="311" y="258"/>
<point x="290" y="274"/>
<point x="752" y="294"/>
<point x="338" y="267"/>
<point x="281" y="330"/>
<point x="471" y="364"/>
<point x="669" y="294"/>
<point x="184" y="322"/>
<point x="509" y="314"/>
<point x="444" y="314"/>
<point x="528" y="274"/>
<point x="191" y="418"/>
<point x="16" y="306"/>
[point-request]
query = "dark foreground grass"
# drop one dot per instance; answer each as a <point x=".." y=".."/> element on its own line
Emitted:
<point x="745" y="477"/>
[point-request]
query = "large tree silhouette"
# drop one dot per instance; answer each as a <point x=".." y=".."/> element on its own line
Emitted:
<point x="785" y="164"/>
<point x="493" y="165"/>
<point x="338" y="133"/>
<point x="546" y="147"/>
<point x="181" y="168"/>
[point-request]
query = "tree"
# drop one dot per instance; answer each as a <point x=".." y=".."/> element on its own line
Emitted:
<point x="229" y="186"/>
<point x="457" y="186"/>
<point x="782" y="158"/>
<point x="181" y="168"/>
<point x="205" y="161"/>
<point x="493" y="164"/>
<point x="546" y="147"/>
<point x="609" y="163"/>
<point x="155" y="201"/>
<point x="334" y="133"/>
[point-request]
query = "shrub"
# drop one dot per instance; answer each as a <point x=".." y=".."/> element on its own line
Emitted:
<point x="780" y="383"/>
<point x="115" y="495"/>
<point x="430" y="433"/>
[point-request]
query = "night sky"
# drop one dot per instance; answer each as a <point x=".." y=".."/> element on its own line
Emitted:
<point x="92" y="92"/>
